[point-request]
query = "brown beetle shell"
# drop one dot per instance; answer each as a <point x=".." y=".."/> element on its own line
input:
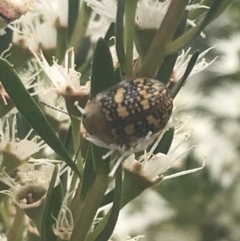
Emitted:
<point x="128" y="111"/>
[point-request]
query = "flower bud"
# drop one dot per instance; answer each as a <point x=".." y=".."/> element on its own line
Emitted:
<point x="11" y="10"/>
<point x="31" y="199"/>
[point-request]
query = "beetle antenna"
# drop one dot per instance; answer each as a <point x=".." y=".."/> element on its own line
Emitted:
<point x="54" y="108"/>
<point x="59" y="110"/>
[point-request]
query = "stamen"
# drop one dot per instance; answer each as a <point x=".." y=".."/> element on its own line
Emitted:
<point x="183" y="173"/>
<point x="107" y="154"/>
<point x="149" y="154"/>
<point x="29" y="133"/>
<point x="82" y="111"/>
<point x="5" y="52"/>
<point x="14" y="124"/>
<point x="4" y="99"/>
<point x="117" y="164"/>
<point x="54" y="108"/>
<point x="186" y="137"/>
<point x="182" y="124"/>
<point x="184" y="153"/>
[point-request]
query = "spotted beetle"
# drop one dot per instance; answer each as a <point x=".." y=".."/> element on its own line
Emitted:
<point x="128" y="112"/>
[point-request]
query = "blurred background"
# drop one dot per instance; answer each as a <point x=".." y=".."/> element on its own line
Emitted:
<point x="204" y="206"/>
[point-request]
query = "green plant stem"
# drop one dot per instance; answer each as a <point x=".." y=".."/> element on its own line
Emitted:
<point x="62" y="42"/>
<point x="130" y="11"/>
<point x="4" y="211"/>
<point x="75" y="205"/>
<point x="133" y="186"/>
<point x="156" y="53"/>
<point x="92" y="203"/>
<point x="81" y="26"/>
<point x="16" y="232"/>
<point x="76" y="145"/>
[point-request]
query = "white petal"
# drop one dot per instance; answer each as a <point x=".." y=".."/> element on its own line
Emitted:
<point x="129" y="161"/>
<point x="157" y="165"/>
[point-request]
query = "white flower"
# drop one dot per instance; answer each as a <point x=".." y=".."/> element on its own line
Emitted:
<point x="152" y="19"/>
<point x="26" y="77"/>
<point x="53" y="106"/>
<point x="39" y="29"/>
<point x="106" y="8"/>
<point x="149" y="13"/>
<point x="64" y="223"/>
<point x="124" y="151"/>
<point x="183" y="60"/>
<point x="64" y="78"/>
<point x="14" y="151"/>
<point x="55" y="11"/>
<point x="26" y="179"/>
<point x="152" y="167"/>
<point x="33" y="33"/>
<point x="97" y="27"/>
<point x="11" y="10"/>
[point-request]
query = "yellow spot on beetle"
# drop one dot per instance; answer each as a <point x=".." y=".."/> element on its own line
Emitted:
<point x="152" y="120"/>
<point x="118" y="98"/>
<point x="122" y="111"/>
<point x="145" y="104"/>
<point x="129" y="129"/>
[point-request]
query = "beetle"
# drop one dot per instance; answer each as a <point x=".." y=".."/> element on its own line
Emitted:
<point x="128" y="112"/>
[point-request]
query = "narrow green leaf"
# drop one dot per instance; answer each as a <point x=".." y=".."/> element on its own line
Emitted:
<point x="6" y="40"/>
<point x="51" y="209"/>
<point x="92" y="203"/>
<point x="102" y="69"/>
<point x="165" y="143"/>
<point x="108" y="198"/>
<point x="216" y="9"/>
<point x="62" y="43"/>
<point x="111" y="223"/>
<point x="89" y="173"/>
<point x="119" y="35"/>
<point x="174" y="91"/>
<point x="30" y="110"/>
<point x="81" y="25"/>
<point x="102" y="166"/>
<point x="211" y="14"/>
<point x="81" y="57"/>
<point x="166" y="69"/>
<point x="68" y="142"/>
<point x="73" y="8"/>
